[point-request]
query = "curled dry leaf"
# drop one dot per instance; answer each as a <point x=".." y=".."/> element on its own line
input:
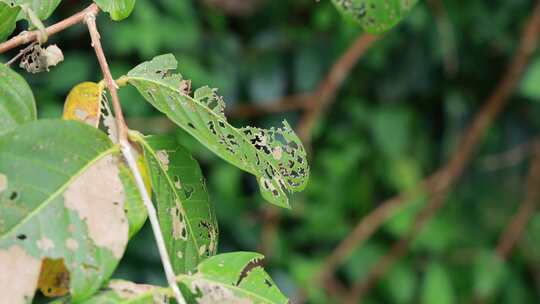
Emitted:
<point x="38" y="59"/>
<point x="275" y="156"/>
<point x="83" y="103"/>
<point x="75" y="214"/>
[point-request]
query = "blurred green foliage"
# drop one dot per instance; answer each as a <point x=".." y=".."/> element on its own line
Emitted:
<point x="396" y="120"/>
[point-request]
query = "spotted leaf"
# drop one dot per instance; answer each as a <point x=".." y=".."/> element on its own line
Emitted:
<point x="275" y="156"/>
<point x="236" y="277"/>
<point x="376" y="16"/>
<point x="186" y="217"/>
<point x="64" y="195"/>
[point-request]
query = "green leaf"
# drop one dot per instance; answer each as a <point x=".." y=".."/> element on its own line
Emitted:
<point x="437" y="286"/>
<point x="187" y="219"/>
<point x="236" y="277"/>
<point x="529" y="85"/>
<point x="375" y="16"/>
<point x="63" y="192"/>
<point x="8" y="19"/>
<point x="42" y="8"/>
<point x="118" y="9"/>
<point x="124" y="292"/>
<point x="17" y="104"/>
<point x="489" y="274"/>
<point x="275" y="156"/>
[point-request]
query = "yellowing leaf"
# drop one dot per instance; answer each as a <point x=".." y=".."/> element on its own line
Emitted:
<point x="84" y="103"/>
<point x="54" y="278"/>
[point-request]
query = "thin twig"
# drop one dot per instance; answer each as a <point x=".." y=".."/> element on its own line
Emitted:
<point x="470" y="139"/>
<point x="509" y="158"/>
<point x="129" y="156"/>
<point x="446" y="37"/>
<point x="27" y="37"/>
<point x="518" y="223"/>
<point x="21" y="53"/>
<point x="326" y="92"/>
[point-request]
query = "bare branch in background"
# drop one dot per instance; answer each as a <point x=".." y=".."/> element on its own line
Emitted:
<point x="464" y="151"/>
<point x="519" y="221"/>
<point x="508" y="158"/>
<point x="325" y="94"/>
<point x="235" y="7"/>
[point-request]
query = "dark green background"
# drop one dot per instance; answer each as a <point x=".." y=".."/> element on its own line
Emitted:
<point x="395" y="120"/>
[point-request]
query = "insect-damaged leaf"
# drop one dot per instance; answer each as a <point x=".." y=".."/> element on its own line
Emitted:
<point x="63" y="193"/>
<point x="8" y="18"/>
<point x="376" y="16"/>
<point x="275" y="156"/>
<point x="83" y="103"/>
<point x="186" y="217"/>
<point x="236" y="277"/>
<point x="125" y="292"/>
<point x="17" y="104"/>
<point x="42" y="8"/>
<point x="118" y="9"/>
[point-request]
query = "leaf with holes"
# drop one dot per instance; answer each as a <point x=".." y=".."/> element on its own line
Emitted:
<point x="17" y="104"/>
<point x="186" y="217"/>
<point x="236" y="277"/>
<point x="64" y="196"/>
<point x="8" y="19"/>
<point x="376" y="16"/>
<point x="42" y="8"/>
<point x="275" y="156"/>
<point x="118" y="9"/>
<point x="125" y="292"/>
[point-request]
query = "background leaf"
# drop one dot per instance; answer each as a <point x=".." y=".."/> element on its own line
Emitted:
<point x="62" y="197"/>
<point x="17" y="104"/>
<point x="437" y="286"/>
<point x="275" y="156"/>
<point x="8" y="18"/>
<point x="375" y="16"/>
<point x="118" y="9"/>
<point x="186" y="217"/>
<point x="236" y="277"/>
<point x="42" y="8"/>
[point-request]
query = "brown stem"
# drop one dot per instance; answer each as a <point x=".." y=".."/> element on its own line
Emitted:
<point x="27" y="37"/>
<point x="518" y="223"/>
<point x="472" y="136"/>
<point x="90" y="20"/>
<point x="325" y="94"/>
